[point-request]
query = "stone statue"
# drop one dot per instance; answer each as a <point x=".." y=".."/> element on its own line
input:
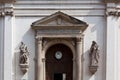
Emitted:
<point x="94" y="54"/>
<point x="23" y="54"/>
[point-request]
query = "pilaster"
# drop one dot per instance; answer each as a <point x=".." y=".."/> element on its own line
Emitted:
<point x="1" y="47"/>
<point x="8" y="21"/>
<point x="111" y="50"/>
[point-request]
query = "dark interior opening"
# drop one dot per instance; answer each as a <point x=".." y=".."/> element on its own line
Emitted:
<point x="58" y="76"/>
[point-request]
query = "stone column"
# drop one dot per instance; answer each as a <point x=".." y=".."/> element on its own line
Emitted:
<point x="44" y="76"/>
<point x="39" y="59"/>
<point x="78" y="58"/>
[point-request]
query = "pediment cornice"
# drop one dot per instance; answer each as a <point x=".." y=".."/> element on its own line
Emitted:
<point x="59" y="20"/>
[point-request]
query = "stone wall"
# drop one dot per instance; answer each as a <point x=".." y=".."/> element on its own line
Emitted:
<point x="91" y="12"/>
<point x="103" y="28"/>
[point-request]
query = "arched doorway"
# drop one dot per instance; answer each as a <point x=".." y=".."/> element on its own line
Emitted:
<point x="59" y="64"/>
<point x="63" y="29"/>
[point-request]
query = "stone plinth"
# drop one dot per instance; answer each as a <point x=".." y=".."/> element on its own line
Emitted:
<point x="93" y="69"/>
<point x="24" y="67"/>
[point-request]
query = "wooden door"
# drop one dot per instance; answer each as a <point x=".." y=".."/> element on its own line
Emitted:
<point x="59" y="66"/>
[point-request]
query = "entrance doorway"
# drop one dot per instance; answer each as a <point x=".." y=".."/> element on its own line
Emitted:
<point x="59" y="64"/>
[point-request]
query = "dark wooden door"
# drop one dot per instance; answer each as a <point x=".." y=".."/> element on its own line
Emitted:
<point x="55" y="66"/>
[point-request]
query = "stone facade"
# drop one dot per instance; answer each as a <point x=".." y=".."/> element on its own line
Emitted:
<point x="41" y="24"/>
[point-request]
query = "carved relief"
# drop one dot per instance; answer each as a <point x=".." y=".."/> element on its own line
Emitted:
<point x="94" y="57"/>
<point x="24" y="59"/>
<point x="59" y="20"/>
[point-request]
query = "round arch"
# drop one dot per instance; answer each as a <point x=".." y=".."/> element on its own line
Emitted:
<point x="56" y="41"/>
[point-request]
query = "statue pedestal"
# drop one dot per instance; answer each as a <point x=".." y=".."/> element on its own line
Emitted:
<point x="93" y="69"/>
<point x="24" y="67"/>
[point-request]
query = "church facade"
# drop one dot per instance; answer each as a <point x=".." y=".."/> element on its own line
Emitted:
<point x="59" y="40"/>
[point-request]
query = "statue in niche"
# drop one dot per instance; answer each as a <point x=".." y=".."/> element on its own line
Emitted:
<point x="94" y="54"/>
<point x="23" y="54"/>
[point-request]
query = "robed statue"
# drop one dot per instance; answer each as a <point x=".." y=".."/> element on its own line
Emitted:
<point x="23" y="54"/>
<point x="94" y="54"/>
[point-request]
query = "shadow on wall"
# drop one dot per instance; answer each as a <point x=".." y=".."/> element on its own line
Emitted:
<point x="86" y="71"/>
<point x="86" y="64"/>
<point x="96" y="31"/>
<point x="29" y="40"/>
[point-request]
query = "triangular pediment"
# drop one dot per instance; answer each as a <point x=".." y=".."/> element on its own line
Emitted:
<point x="59" y="20"/>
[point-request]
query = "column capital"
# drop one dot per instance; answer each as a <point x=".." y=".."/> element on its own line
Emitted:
<point x="79" y="39"/>
<point x="6" y="13"/>
<point x="39" y="39"/>
<point x="43" y="59"/>
<point x="113" y="13"/>
<point x="7" y="10"/>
